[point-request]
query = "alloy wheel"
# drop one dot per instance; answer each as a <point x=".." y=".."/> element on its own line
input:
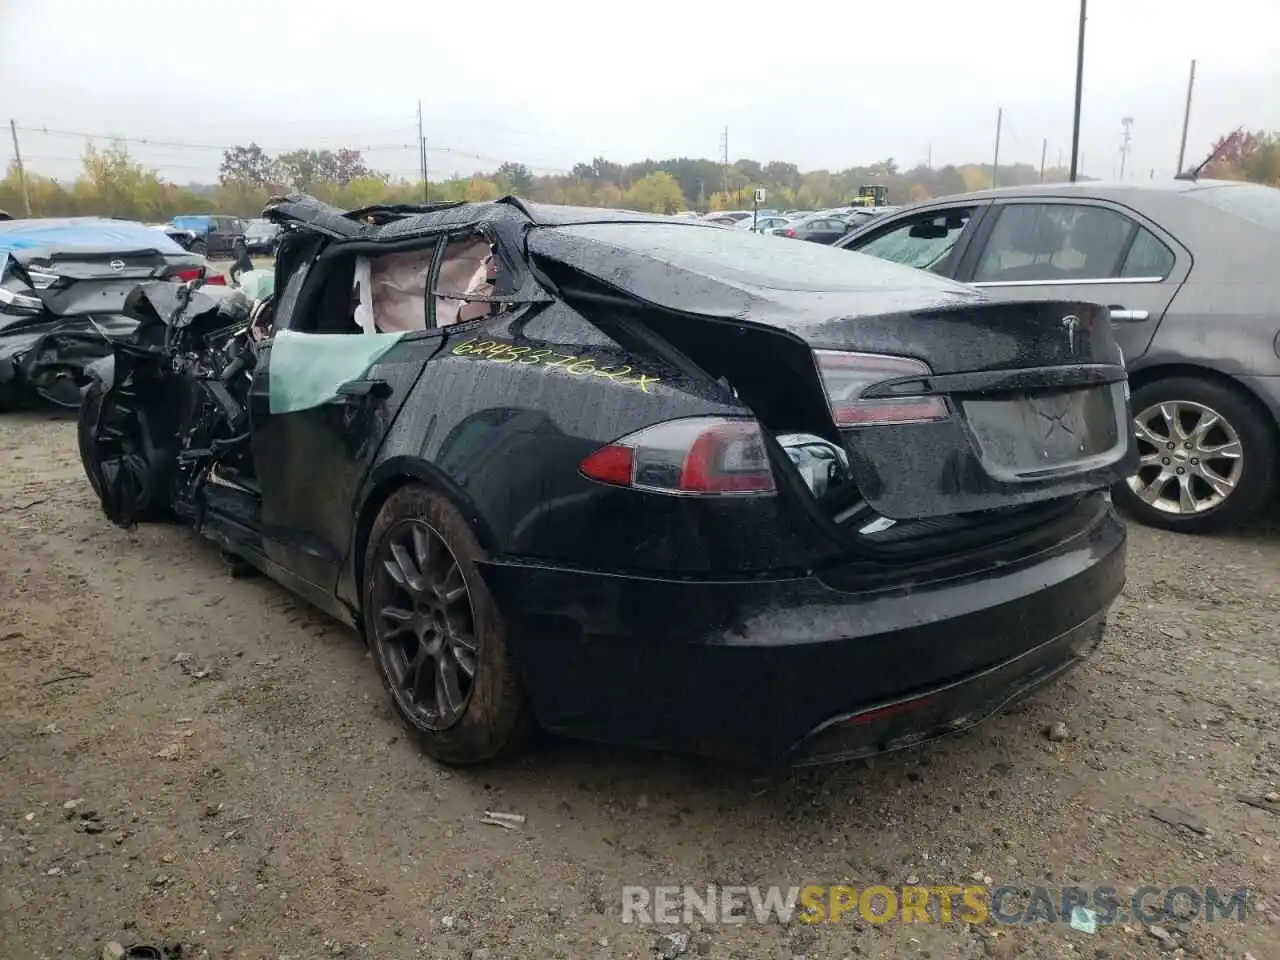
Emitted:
<point x="1191" y="458"/>
<point x="424" y="625"/>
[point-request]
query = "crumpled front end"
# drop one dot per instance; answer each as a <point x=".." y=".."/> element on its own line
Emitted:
<point x="170" y="403"/>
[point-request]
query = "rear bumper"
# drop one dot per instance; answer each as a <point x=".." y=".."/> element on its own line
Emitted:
<point x="793" y="670"/>
<point x="33" y="359"/>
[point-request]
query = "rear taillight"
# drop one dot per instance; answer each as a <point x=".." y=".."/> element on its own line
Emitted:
<point x="195" y="273"/>
<point x="789" y="233"/>
<point x="713" y="456"/>
<point x="846" y="377"/>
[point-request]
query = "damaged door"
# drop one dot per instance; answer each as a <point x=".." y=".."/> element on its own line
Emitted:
<point x="357" y="337"/>
<point x="324" y="396"/>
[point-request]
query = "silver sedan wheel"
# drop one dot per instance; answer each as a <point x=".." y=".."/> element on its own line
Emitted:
<point x="1191" y="458"/>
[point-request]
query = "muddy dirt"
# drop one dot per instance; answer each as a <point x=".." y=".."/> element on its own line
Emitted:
<point x="189" y="756"/>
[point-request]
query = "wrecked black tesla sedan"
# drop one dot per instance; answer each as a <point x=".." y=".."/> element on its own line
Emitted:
<point x="62" y="284"/>
<point x="638" y="479"/>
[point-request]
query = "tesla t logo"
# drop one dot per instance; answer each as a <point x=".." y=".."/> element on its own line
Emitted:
<point x="1071" y="324"/>
<point x="116" y="265"/>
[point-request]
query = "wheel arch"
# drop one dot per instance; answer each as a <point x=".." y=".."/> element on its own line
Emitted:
<point x="386" y="478"/>
<point x="1167" y="371"/>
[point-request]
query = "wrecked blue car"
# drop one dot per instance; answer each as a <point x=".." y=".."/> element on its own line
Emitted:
<point x="62" y="285"/>
<point x="635" y="478"/>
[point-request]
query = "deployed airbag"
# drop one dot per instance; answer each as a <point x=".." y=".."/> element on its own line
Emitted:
<point x="306" y="369"/>
<point x="399" y="282"/>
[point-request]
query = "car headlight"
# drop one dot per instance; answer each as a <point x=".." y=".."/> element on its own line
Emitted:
<point x="19" y="303"/>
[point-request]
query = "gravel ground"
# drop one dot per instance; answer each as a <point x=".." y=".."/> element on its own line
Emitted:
<point x="191" y="756"/>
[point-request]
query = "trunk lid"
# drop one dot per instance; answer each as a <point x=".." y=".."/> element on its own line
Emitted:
<point x="1027" y="400"/>
<point x="1020" y="403"/>
<point x="77" y="282"/>
<point x="75" y="265"/>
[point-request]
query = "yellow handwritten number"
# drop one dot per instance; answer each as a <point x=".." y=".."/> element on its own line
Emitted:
<point x="496" y="352"/>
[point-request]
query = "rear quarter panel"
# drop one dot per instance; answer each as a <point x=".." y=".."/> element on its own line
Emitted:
<point x="1226" y="325"/>
<point x="507" y="410"/>
<point x="1226" y="314"/>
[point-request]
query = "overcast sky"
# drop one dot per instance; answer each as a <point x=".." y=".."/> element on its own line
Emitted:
<point x="822" y="83"/>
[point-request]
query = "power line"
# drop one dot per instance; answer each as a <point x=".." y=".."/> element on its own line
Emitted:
<point x="405" y="171"/>
<point x="184" y="145"/>
<point x="221" y="148"/>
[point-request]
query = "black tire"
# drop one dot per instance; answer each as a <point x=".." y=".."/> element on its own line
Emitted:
<point x="1258" y="471"/>
<point x="496" y="718"/>
<point x="152" y="507"/>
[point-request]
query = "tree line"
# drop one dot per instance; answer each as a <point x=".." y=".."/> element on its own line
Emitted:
<point x="112" y="183"/>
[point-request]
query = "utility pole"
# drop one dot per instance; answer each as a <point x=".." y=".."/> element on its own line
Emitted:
<point x="702" y="195"/>
<point x="724" y="154"/>
<point x="1044" y="149"/>
<point x="422" y="156"/>
<point x="426" y="174"/>
<point x="995" y="163"/>
<point x="929" y="160"/>
<point x="1125" y="143"/>
<point x="1186" y="118"/>
<point x="22" y="174"/>
<point x="1075" y="124"/>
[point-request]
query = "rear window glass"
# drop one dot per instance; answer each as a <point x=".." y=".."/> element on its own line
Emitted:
<point x="1148" y="257"/>
<point x="1249" y="201"/>
<point x="740" y="256"/>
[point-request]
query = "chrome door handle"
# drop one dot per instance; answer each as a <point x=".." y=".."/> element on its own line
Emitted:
<point x="1128" y="316"/>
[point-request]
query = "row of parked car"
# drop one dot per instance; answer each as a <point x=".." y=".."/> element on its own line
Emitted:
<point x="643" y="479"/>
<point x="815" y="226"/>
<point x="214" y="235"/>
